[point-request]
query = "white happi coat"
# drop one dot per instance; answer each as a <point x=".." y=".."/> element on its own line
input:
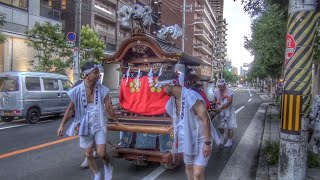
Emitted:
<point x="79" y="98"/>
<point x="192" y="126"/>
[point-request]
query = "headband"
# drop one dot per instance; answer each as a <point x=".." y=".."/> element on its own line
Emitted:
<point x="221" y="82"/>
<point x="88" y="71"/>
<point x="172" y="82"/>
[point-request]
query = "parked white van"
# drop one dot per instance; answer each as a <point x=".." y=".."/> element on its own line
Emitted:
<point x="32" y="94"/>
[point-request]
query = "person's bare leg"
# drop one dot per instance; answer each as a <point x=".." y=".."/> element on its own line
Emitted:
<point x="198" y="172"/>
<point x="101" y="150"/>
<point x="230" y="133"/>
<point x="189" y="171"/>
<point x="91" y="161"/>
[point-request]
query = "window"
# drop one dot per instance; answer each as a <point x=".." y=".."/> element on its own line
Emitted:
<point x="22" y="4"/>
<point x="33" y="84"/>
<point x="50" y="84"/>
<point x="67" y="85"/>
<point x="8" y="84"/>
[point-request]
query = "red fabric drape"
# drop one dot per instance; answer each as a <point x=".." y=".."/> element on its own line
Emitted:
<point x="146" y="100"/>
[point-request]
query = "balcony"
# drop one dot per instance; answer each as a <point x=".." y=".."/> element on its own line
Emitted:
<point x="105" y="12"/>
<point x="204" y="59"/>
<point x="201" y="34"/>
<point x="202" y="23"/>
<point x="202" y="11"/>
<point x="204" y="48"/>
<point x="206" y="2"/>
<point x="50" y="13"/>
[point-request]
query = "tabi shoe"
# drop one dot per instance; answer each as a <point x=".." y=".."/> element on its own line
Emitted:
<point x="97" y="176"/>
<point x="229" y="143"/>
<point x="222" y="139"/>
<point x="85" y="163"/>
<point x="108" y="172"/>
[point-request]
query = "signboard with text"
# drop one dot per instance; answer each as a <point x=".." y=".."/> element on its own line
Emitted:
<point x="290" y="47"/>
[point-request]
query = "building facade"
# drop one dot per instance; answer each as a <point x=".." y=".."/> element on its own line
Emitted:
<point x="200" y="29"/>
<point x="20" y="16"/>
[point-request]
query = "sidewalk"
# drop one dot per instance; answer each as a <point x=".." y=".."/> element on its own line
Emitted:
<point x="271" y="133"/>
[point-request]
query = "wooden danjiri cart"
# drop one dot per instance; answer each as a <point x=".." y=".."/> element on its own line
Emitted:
<point x="144" y="128"/>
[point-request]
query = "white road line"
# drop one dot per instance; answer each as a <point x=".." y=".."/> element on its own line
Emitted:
<point x="238" y="110"/>
<point x="249" y="92"/>
<point x="154" y="174"/>
<point x="14" y="126"/>
<point x="157" y="172"/>
<point x="249" y="100"/>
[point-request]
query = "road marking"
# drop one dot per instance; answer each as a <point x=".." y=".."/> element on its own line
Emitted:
<point x="238" y="110"/>
<point x="154" y="174"/>
<point x="8" y="127"/>
<point x="36" y="147"/>
<point x="249" y="92"/>
<point x="249" y="100"/>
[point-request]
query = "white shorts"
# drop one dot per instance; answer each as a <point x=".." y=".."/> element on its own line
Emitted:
<point x="100" y="137"/>
<point x="197" y="159"/>
<point x="230" y="123"/>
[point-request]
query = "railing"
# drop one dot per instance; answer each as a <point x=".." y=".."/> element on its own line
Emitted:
<point x="50" y="13"/>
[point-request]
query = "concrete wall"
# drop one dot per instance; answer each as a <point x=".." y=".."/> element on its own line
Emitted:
<point x="111" y="76"/>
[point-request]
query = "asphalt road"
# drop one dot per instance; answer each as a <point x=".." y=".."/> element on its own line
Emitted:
<point x="31" y="152"/>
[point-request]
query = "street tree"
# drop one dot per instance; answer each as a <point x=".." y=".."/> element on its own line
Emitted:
<point x="2" y="22"/>
<point x="229" y="76"/>
<point x="267" y="41"/>
<point x="92" y="46"/>
<point x="52" y="53"/>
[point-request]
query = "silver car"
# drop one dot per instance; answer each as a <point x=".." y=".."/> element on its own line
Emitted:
<point x="31" y="95"/>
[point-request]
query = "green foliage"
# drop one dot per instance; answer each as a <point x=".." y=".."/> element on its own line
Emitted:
<point x="2" y="22"/>
<point x="92" y="46"/>
<point x="229" y="76"/>
<point x="267" y="42"/>
<point x="316" y="48"/>
<point x="271" y="152"/>
<point x="257" y="7"/>
<point x="53" y="55"/>
<point x="313" y="160"/>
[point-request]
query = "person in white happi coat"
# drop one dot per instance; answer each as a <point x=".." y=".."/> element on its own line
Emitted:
<point x="191" y="125"/>
<point x="227" y="116"/>
<point x="89" y="101"/>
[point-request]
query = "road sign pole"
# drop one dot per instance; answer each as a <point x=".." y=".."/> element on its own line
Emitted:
<point x="296" y="98"/>
<point x="76" y="60"/>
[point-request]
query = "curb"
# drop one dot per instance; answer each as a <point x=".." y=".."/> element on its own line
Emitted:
<point x="243" y="161"/>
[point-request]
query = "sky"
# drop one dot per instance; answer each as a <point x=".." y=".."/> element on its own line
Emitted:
<point x="238" y="26"/>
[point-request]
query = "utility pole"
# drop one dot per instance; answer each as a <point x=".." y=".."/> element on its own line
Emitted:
<point x="183" y="24"/>
<point x="296" y="98"/>
<point x="76" y="57"/>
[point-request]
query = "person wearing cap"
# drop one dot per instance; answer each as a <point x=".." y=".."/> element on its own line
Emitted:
<point x="191" y="125"/>
<point x="227" y="116"/>
<point x="89" y="101"/>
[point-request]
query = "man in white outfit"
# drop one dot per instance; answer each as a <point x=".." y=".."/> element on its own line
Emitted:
<point x="191" y="125"/>
<point x="89" y="101"/>
<point x="224" y="106"/>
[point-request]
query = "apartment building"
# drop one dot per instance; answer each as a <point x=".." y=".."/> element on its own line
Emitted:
<point x="102" y="16"/>
<point x="220" y="43"/>
<point x="21" y="15"/>
<point x="200" y="29"/>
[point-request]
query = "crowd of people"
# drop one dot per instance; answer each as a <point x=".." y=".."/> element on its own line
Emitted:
<point x="188" y="106"/>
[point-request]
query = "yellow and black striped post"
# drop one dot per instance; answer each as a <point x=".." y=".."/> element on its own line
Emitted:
<point x="296" y="99"/>
<point x="291" y="113"/>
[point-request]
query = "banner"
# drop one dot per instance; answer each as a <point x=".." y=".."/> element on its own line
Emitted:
<point x="141" y="97"/>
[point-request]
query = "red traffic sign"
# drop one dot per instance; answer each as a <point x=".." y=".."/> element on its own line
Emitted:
<point x="71" y="36"/>
<point x="290" y="47"/>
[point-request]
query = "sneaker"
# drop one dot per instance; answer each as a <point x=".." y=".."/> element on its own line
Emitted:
<point x="229" y="143"/>
<point x="97" y="176"/>
<point x="85" y="163"/>
<point x="222" y="140"/>
<point x="108" y="172"/>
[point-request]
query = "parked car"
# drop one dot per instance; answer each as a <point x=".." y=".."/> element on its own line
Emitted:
<point x="31" y="95"/>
